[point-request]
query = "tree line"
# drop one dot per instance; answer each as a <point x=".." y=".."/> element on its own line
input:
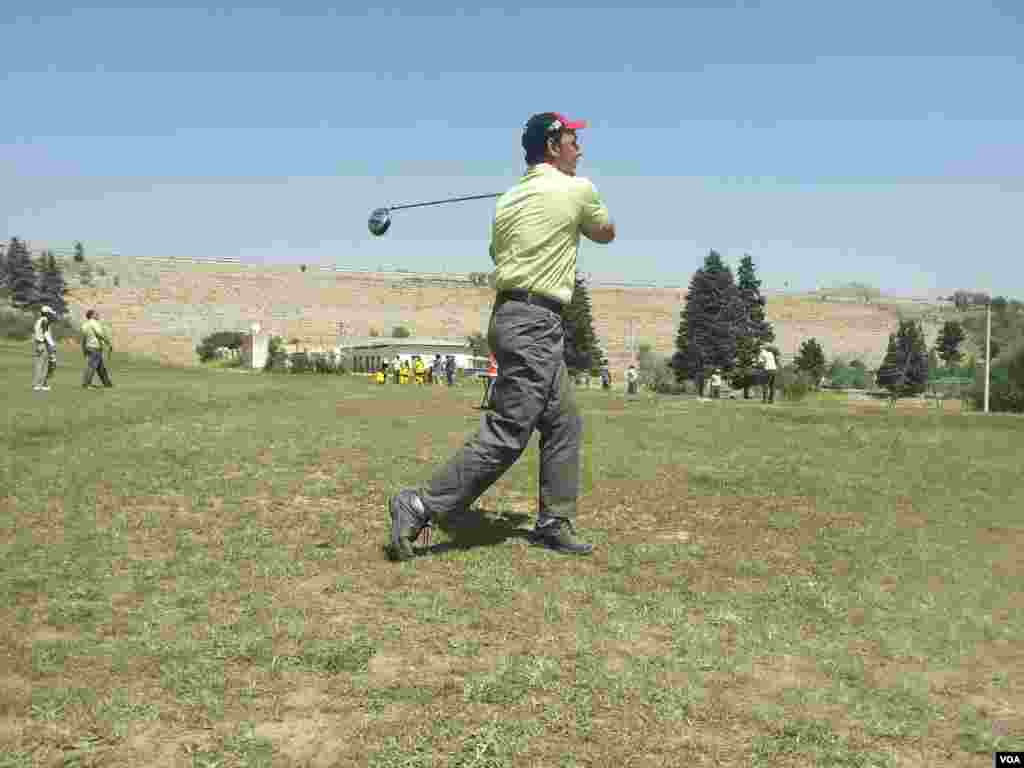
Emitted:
<point x="28" y="283"/>
<point x="723" y="326"/>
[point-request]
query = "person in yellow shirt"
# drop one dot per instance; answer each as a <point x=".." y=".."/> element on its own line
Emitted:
<point x="380" y="377"/>
<point x="420" y="370"/>
<point x="535" y="237"/>
<point x="94" y="339"/>
<point x="404" y="372"/>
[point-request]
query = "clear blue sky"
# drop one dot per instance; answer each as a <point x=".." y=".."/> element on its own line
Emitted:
<point x="873" y="141"/>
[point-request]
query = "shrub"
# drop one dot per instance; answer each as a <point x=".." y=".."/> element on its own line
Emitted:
<point x="400" y="332"/>
<point x="276" y="357"/>
<point x="207" y="349"/>
<point x="656" y="372"/>
<point x="300" y="362"/>
<point x="794" y="385"/>
<point x="1006" y="387"/>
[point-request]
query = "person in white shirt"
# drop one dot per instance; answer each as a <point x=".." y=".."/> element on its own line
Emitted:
<point x="716" y="384"/>
<point x="45" y="350"/>
<point x="632" y="380"/>
<point x="766" y="361"/>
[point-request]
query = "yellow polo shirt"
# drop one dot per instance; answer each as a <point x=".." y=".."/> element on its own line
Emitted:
<point x="536" y="232"/>
<point x="93" y="335"/>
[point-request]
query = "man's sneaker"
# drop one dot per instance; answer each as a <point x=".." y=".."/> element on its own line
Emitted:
<point x="561" y="537"/>
<point x="43" y="388"/>
<point x="408" y="519"/>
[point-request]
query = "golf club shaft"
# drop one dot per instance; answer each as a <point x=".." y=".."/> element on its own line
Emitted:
<point x="439" y="202"/>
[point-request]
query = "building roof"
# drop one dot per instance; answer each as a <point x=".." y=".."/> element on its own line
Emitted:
<point x="409" y="341"/>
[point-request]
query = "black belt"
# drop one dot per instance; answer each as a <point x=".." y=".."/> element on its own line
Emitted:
<point x="532" y="298"/>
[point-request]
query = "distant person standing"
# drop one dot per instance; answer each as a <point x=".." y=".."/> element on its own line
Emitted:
<point x="492" y="374"/>
<point x="767" y="361"/>
<point x="438" y="368"/>
<point x="44" y="350"/>
<point x="449" y="370"/>
<point x="94" y="339"/>
<point x="606" y="375"/>
<point x="632" y="380"/>
<point x="716" y="384"/>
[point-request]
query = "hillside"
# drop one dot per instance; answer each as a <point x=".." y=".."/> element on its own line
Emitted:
<point x="162" y="308"/>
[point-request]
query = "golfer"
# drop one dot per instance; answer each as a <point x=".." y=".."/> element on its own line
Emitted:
<point x="44" y="349"/>
<point x="534" y="240"/>
<point x="94" y="339"/>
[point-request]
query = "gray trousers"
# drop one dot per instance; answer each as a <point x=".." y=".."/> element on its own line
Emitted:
<point x="41" y="365"/>
<point x="94" y="364"/>
<point x="532" y="391"/>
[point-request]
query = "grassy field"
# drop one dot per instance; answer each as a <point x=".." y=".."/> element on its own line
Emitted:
<point x="193" y="574"/>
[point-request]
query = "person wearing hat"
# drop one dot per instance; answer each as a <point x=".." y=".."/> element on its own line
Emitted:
<point x="44" y="349"/>
<point x="94" y="339"/>
<point x="535" y="237"/>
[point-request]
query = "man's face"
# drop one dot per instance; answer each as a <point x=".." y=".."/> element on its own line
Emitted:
<point x="567" y="153"/>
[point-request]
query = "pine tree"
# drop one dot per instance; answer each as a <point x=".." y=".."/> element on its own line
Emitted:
<point x="755" y="331"/>
<point x="949" y="341"/>
<point x="52" y="287"/>
<point x="582" y="352"/>
<point x="79" y="251"/>
<point x="811" y="359"/>
<point x="709" y="324"/>
<point x="3" y="269"/>
<point x="21" y="276"/>
<point x="904" y="371"/>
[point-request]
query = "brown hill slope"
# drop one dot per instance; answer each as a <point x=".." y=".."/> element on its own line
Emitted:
<point x="164" y="308"/>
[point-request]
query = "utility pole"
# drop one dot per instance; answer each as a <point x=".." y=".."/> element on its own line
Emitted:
<point x="988" y="348"/>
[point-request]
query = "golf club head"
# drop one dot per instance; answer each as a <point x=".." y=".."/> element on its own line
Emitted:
<point x="379" y="221"/>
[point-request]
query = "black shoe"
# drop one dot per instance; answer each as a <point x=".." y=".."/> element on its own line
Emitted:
<point x="560" y="536"/>
<point x="408" y="519"/>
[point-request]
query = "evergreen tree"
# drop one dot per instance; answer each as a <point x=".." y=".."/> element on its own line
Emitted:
<point x="755" y="331"/>
<point x="582" y="352"/>
<point x="79" y="251"/>
<point x="811" y="359"/>
<point x="3" y="268"/>
<point x="904" y="371"/>
<point x="21" y="276"/>
<point x="710" y="323"/>
<point x="52" y="287"/>
<point x="948" y="344"/>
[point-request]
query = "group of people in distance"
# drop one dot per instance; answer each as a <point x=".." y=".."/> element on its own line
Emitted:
<point x="417" y="371"/>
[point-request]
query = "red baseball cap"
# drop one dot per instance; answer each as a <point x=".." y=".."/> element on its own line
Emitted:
<point x="539" y="127"/>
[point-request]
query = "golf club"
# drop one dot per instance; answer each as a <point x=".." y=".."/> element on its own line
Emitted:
<point x="380" y="219"/>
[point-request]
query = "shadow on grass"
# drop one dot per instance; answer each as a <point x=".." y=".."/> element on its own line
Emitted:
<point x="478" y="528"/>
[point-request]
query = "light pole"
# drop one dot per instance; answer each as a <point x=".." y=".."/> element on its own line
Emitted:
<point x="988" y="347"/>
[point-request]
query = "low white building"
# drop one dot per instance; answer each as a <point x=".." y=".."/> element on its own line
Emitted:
<point x="368" y="354"/>
<point x="255" y="347"/>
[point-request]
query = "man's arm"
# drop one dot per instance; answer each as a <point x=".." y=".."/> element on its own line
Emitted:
<point x="596" y="223"/>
